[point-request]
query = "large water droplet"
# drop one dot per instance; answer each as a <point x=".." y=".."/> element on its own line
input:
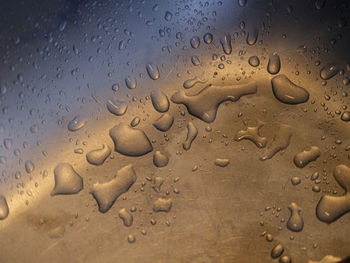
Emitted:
<point x="254" y="61"/>
<point x="67" y="181"/>
<point x="191" y="135"/>
<point x="303" y="158"/>
<point x="29" y="166"/>
<point x="274" y="65"/>
<point x="130" y="141"/>
<point x="153" y="71"/>
<point x="226" y="44"/>
<point x="287" y="92"/>
<point x="160" y="159"/>
<point x="164" y="122"/>
<point x="330" y="208"/>
<point x="126" y="216"/>
<point x="208" y="38"/>
<point x="116" y="108"/>
<point x="4" y="209"/>
<point x="329" y="71"/>
<point x="277" y="251"/>
<point x="242" y="3"/>
<point x="222" y="162"/>
<point x="107" y="193"/>
<point x="295" y="222"/>
<point x="168" y="16"/>
<point x="77" y="123"/>
<point x="130" y="82"/>
<point x="252" y="36"/>
<point x="195" y="41"/>
<point x="160" y="101"/>
<point x="195" y="61"/>
<point x="98" y="156"/>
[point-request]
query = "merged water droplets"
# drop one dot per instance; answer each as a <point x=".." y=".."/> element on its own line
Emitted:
<point x="107" y="193"/>
<point x="130" y="141"/>
<point x="204" y="105"/>
<point x="252" y="133"/>
<point x="153" y="71"/>
<point x="295" y="222"/>
<point x="67" y="180"/>
<point x="77" y="123"/>
<point x="162" y="205"/>
<point x="279" y="142"/>
<point x="330" y="208"/>
<point x="4" y="209"/>
<point x="303" y="158"/>
<point x="274" y="64"/>
<point x="192" y="82"/>
<point x="130" y="82"/>
<point x="126" y="216"/>
<point x="160" y="101"/>
<point x="287" y="92"/>
<point x="98" y="156"/>
<point x="164" y="122"/>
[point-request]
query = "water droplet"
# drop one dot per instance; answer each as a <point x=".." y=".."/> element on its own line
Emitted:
<point x="254" y="61"/>
<point x="195" y="61"/>
<point x="8" y="144"/>
<point x="285" y="259"/>
<point x="329" y="71"/>
<point x="67" y="180"/>
<point x="295" y="222"/>
<point x="252" y="36"/>
<point x="222" y="162"/>
<point x="29" y="166"/>
<point x="34" y="129"/>
<point x="130" y="141"/>
<point x="330" y="208"/>
<point x="208" y="38"/>
<point x="168" y="16"/>
<point x="195" y="41"/>
<point x="191" y="135"/>
<point x="131" y="239"/>
<point x="345" y="116"/>
<point x="107" y="193"/>
<point x="277" y="251"/>
<point x="3" y="160"/>
<point x="204" y="105"/>
<point x="160" y="159"/>
<point x="242" y="3"/>
<point x="191" y="82"/>
<point x="160" y="101"/>
<point x="295" y="180"/>
<point x="319" y="4"/>
<point x="274" y="65"/>
<point x="98" y="156"/>
<point x="77" y="123"/>
<point x="116" y="108"/>
<point x="164" y="122"/>
<point x="62" y="25"/>
<point x="153" y="71"/>
<point x="130" y="82"/>
<point x="303" y="158"/>
<point x="4" y="209"/>
<point x="126" y="216"/>
<point x="135" y="121"/>
<point x="287" y="92"/>
<point x="157" y="183"/>
<point x="253" y="134"/>
<point x="280" y="142"/>
<point x="226" y="44"/>
<point x="162" y="205"/>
